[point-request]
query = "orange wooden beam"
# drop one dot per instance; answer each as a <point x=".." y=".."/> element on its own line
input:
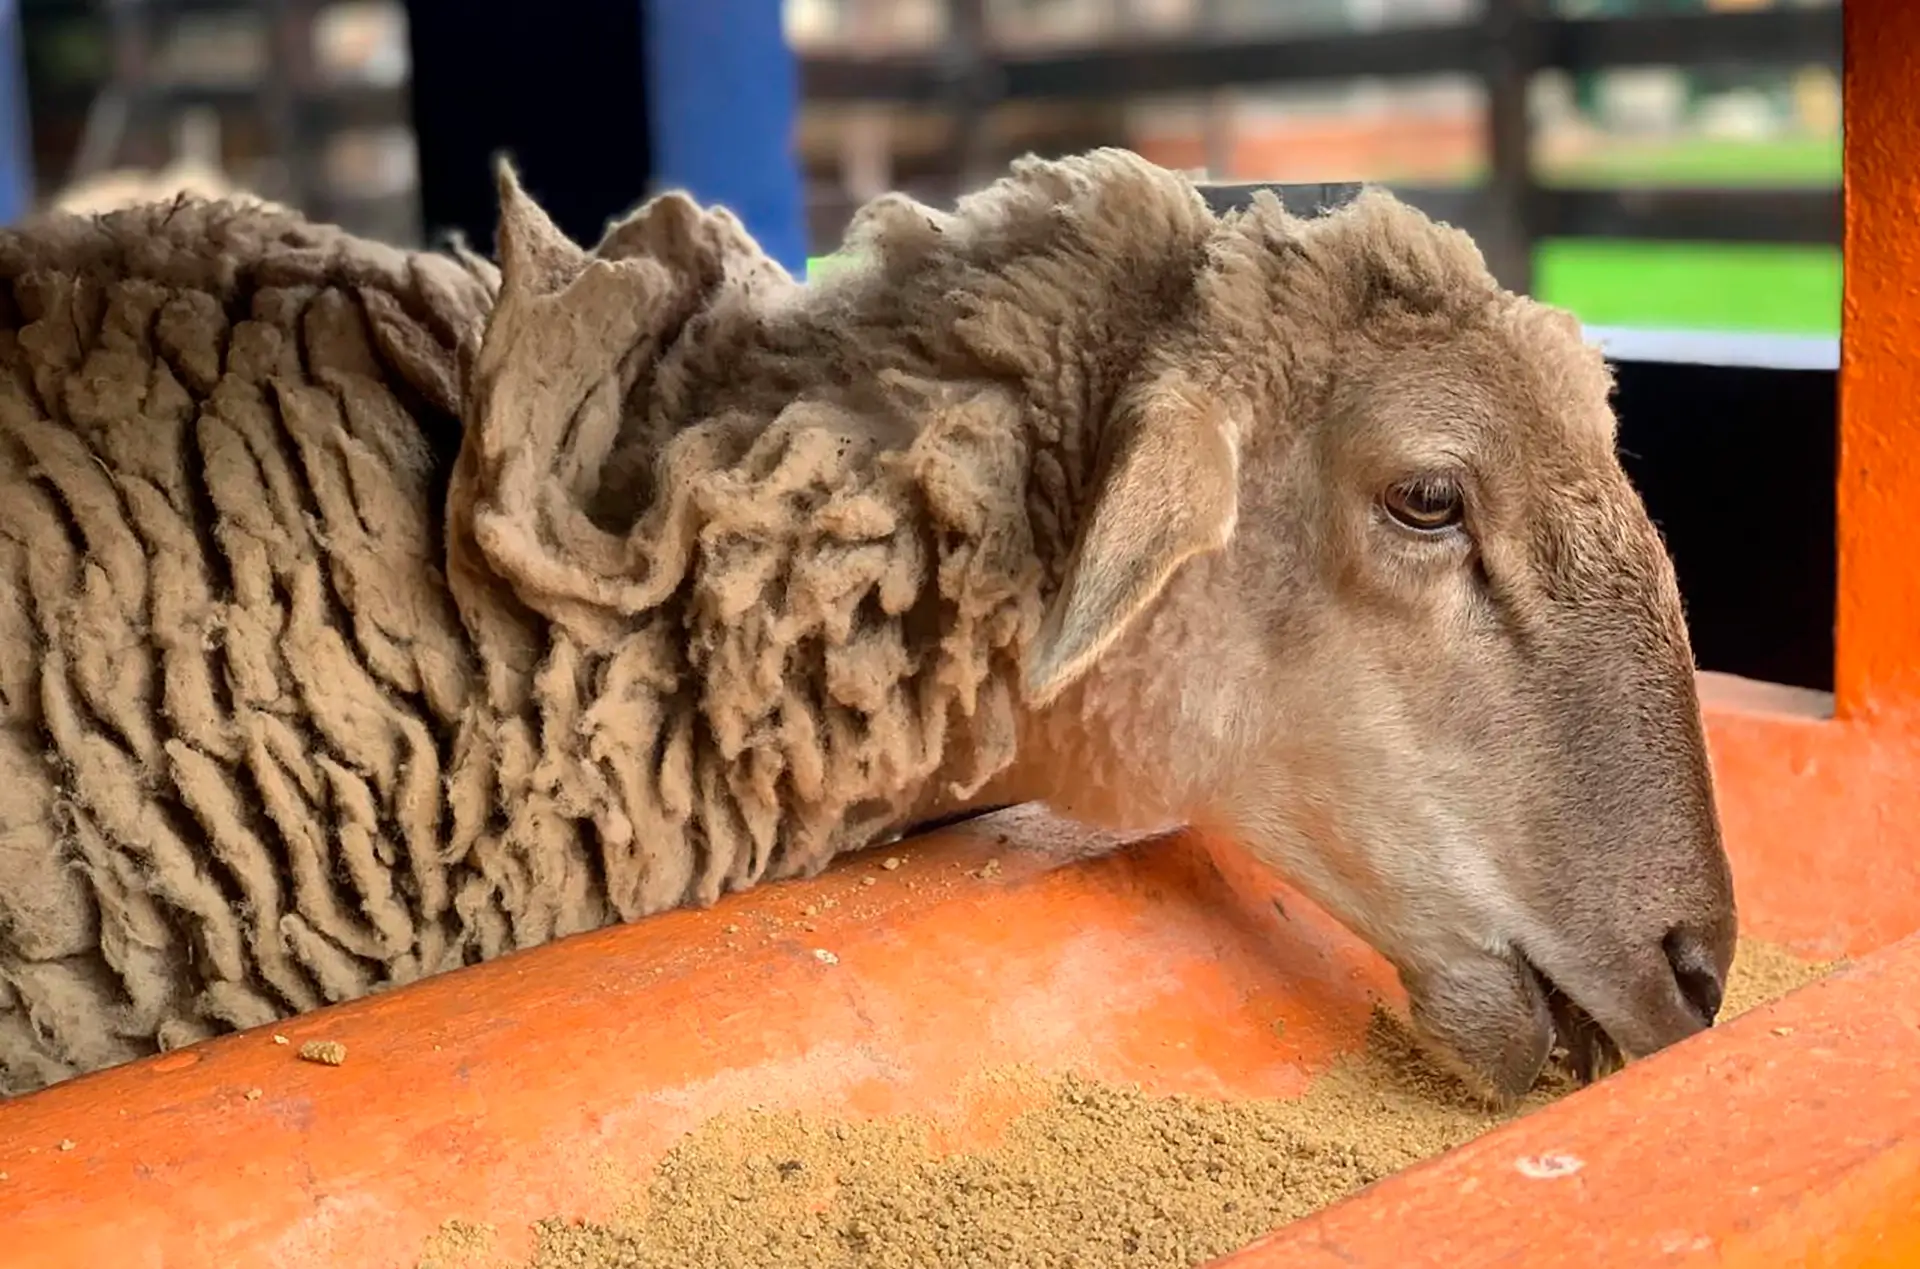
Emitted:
<point x="1820" y="817"/>
<point x="1878" y="660"/>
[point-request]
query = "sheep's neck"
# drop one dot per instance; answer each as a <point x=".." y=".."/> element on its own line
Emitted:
<point x="1048" y="361"/>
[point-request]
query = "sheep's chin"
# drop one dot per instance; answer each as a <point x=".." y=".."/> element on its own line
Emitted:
<point x="1485" y="1018"/>
<point x="1497" y="1021"/>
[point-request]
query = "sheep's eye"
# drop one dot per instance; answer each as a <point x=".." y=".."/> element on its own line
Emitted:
<point x="1425" y="506"/>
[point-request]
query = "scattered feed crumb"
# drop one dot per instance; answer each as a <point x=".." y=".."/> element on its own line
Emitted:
<point x="869" y="881"/>
<point x="890" y="863"/>
<point x="825" y="957"/>
<point x="66" y="1143"/>
<point x="325" y="1052"/>
<point x="987" y="871"/>
<point x="729" y="929"/>
<point x="254" y="1094"/>
<point x="1091" y="1176"/>
<point x="279" y="1039"/>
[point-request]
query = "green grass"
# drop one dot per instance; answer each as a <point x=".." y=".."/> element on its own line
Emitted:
<point x="1694" y="286"/>
<point x="817" y="266"/>
<point x="1683" y="286"/>
<point x="1699" y="286"/>
<point x="1791" y="161"/>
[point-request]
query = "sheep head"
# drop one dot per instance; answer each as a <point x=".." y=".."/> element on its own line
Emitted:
<point x="1365" y="586"/>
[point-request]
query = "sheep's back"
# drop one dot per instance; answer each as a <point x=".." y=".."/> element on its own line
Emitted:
<point x="233" y="664"/>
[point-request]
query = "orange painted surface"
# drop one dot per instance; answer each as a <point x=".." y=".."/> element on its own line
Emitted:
<point x="542" y="1082"/>
<point x="1878" y="663"/>
<point x="1405" y="145"/>
<point x="1822" y="817"/>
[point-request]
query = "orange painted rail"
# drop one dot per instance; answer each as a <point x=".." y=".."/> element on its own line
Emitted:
<point x="545" y="1083"/>
<point x="1791" y="1136"/>
<point x="503" y="1092"/>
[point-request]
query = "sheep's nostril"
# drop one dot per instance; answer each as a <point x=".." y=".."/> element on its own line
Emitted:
<point x="1695" y="971"/>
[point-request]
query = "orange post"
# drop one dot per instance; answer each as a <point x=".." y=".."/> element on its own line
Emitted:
<point x="1796" y="781"/>
<point x="1878" y="671"/>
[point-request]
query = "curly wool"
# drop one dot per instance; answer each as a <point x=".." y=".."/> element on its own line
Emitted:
<point x="221" y="434"/>
<point x="735" y="642"/>
<point x="773" y="556"/>
<point x="279" y="748"/>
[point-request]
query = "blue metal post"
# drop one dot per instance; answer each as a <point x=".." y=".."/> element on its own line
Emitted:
<point x="16" y="138"/>
<point x="722" y="91"/>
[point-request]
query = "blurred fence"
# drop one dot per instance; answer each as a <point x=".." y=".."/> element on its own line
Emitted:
<point x="301" y="100"/>
<point x="1508" y="211"/>
<point x="311" y="100"/>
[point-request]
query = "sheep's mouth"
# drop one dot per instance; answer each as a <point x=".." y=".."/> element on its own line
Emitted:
<point x="1581" y="1044"/>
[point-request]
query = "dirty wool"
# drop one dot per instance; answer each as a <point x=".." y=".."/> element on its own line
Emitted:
<point x="352" y="663"/>
<point x="1093" y="1175"/>
<point x="219" y="432"/>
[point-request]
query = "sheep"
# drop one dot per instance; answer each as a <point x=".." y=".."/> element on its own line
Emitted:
<point x="1300" y="531"/>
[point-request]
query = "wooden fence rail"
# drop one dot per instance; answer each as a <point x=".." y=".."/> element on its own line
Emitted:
<point x="1513" y="40"/>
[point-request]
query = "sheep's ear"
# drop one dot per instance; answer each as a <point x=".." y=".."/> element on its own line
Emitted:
<point x="1170" y="491"/>
<point x="533" y="253"/>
